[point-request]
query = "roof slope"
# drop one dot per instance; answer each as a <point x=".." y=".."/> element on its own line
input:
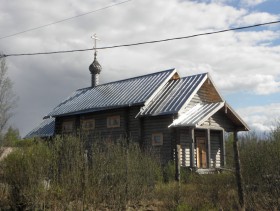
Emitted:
<point x="45" y="129"/>
<point x="132" y="91"/>
<point x="174" y="95"/>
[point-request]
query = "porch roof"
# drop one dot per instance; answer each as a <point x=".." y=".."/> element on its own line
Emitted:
<point x="197" y="115"/>
<point x="200" y="113"/>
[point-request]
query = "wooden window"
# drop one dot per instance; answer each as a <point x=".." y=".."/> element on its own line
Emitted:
<point x="157" y="139"/>
<point x="67" y="126"/>
<point x="87" y="124"/>
<point x="113" y="121"/>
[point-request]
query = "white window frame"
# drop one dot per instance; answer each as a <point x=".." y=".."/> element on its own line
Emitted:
<point x="113" y="121"/>
<point x="157" y="139"/>
<point x="67" y="126"/>
<point x="88" y="124"/>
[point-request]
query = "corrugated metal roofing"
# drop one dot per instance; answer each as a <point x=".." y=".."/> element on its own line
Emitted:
<point x="45" y="129"/>
<point x="174" y="95"/>
<point x="132" y="91"/>
<point x="197" y="115"/>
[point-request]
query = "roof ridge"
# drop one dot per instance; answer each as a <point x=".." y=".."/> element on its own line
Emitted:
<point x="126" y="79"/>
<point x="205" y="73"/>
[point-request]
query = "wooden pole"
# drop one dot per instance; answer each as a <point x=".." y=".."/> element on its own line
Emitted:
<point x="192" y="148"/>
<point x="209" y="149"/>
<point x="177" y="162"/>
<point x="239" y="180"/>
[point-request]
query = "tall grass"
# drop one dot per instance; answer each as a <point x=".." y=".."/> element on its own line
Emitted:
<point x="70" y="173"/>
<point x="64" y="173"/>
<point x="261" y="170"/>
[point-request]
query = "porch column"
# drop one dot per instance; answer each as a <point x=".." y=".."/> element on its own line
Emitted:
<point x="223" y="148"/>
<point x="238" y="175"/>
<point x="192" y="148"/>
<point x="208" y="148"/>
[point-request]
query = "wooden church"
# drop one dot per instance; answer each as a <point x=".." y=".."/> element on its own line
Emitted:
<point x="160" y="111"/>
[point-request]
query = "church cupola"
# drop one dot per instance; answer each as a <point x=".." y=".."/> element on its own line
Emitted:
<point x="95" y="68"/>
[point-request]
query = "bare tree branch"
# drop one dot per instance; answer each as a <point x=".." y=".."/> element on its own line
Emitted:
<point x="8" y="98"/>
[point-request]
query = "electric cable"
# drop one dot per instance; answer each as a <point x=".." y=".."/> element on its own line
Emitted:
<point x="143" y="43"/>
<point x="63" y="20"/>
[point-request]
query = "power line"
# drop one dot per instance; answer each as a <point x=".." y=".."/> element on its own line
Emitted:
<point x="143" y="43"/>
<point x="66" y="19"/>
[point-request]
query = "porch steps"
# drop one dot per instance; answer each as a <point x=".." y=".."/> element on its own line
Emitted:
<point x="208" y="171"/>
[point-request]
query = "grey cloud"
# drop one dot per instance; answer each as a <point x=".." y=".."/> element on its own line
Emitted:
<point x="43" y="81"/>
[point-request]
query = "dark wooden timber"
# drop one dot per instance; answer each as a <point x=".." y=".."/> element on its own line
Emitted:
<point x="192" y="147"/>
<point x="209" y="148"/>
<point x="238" y="175"/>
<point x="177" y="162"/>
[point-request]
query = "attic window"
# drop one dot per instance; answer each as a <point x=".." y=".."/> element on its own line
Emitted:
<point x="88" y="124"/>
<point x="175" y="76"/>
<point x="113" y="121"/>
<point x="157" y="139"/>
<point x="67" y="126"/>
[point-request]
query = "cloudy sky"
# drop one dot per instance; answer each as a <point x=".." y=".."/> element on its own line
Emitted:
<point x="245" y="65"/>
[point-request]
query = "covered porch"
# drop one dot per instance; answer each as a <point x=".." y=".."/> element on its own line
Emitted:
<point x="201" y="148"/>
<point x="200" y="136"/>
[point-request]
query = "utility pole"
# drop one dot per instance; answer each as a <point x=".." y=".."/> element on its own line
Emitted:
<point x="239" y="180"/>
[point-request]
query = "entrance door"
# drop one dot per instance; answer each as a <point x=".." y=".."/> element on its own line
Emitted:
<point x="201" y="152"/>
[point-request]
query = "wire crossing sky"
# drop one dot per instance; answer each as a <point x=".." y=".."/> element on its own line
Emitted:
<point x="63" y="20"/>
<point x="243" y="62"/>
<point x="142" y="43"/>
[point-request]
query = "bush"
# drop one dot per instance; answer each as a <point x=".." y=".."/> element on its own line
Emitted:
<point x="261" y="170"/>
<point x="10" y="138"/>
<point x="24" y="171"/>
<point x="201" y="192"/>
<point x="65" y="174"/>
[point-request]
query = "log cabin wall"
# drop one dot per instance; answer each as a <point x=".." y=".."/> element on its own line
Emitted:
<point x="129" y="125"/>
<point x="216" y="148"/>
<point x="186" y="146"/>
<point x="139" y="129"/>
<point x="159" y="125"/>
<point x="134" y="124"/>
<point x="219" y="120"/>
<point x="59" y="124"/>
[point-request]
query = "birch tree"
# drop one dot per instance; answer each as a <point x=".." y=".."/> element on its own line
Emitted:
<point x="7" y="96"/>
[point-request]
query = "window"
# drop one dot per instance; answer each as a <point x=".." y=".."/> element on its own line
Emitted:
<point x="157" y="139"/>
<point x="113" y="121"/>
<point x="88" y="124"/>
<point x="67" y="126"/>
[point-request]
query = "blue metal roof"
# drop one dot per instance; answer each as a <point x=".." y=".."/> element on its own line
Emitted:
<point x="132" y="91"/>
<point x="174" y="95"/>
<point x="159" y="93"/>
<point x="45" y="129"/>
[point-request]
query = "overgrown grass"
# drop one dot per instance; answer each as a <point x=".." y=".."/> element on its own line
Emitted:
<point x="71" y="174"/>
<point x="261" y="170"/>
<point x="66" y="174"/>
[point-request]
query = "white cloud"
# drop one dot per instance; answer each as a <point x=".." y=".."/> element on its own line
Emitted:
<point x="252" y="2"/>
<point x="256" y="18"/>
<point x="237" y="61"/>
<point x="261" y="118"/>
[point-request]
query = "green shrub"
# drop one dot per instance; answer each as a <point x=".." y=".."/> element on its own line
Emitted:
<point x="261" y="170"/>
<point x="24" y="171"/>
<point x="67" y="173"/>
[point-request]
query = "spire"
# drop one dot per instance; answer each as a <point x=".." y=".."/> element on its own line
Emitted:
<point x="95" y="68"/>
